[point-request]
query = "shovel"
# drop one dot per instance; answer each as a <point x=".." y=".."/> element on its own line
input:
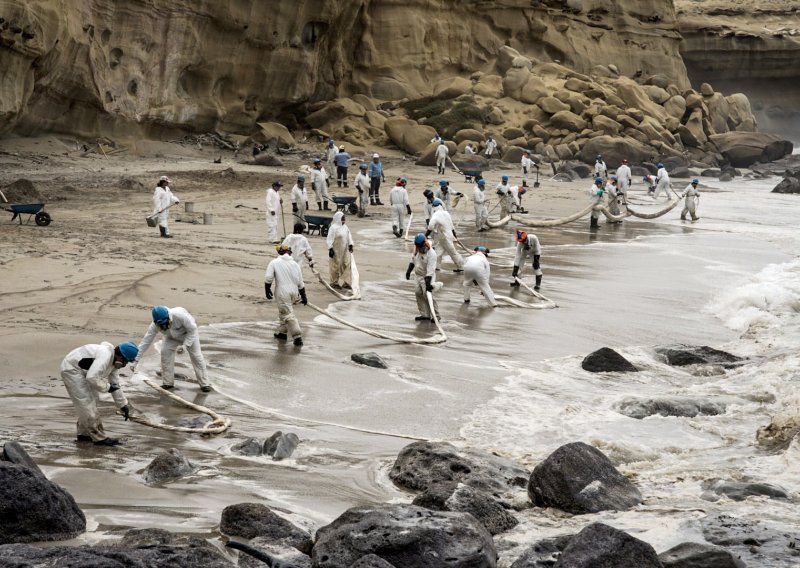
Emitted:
<point x="151" y="219"/>
<point x="536" y="183"/>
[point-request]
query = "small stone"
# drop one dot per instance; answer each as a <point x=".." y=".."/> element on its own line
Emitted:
<point x="14" y="452"/>
<point x="370" y="359"/>
<point x="168" y="466"/>
<point x="247" y="447"/>
<point x="606" y="359"/>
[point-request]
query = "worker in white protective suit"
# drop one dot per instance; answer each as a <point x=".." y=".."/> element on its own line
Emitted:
<point x="662" y="182"/>
<point x="527" y="246"/>
<point x="597" y="196"/>
<point x="319" y="183"/>
<point x="340" y="249"/>
<point x="179" y="329"/>
<point x="330" y="154"/>
<point x="469" y="150"/>
<point x="613" y="197"/>
<point x="479" y="203"/>
<point x="285" y="273"/>
<point x="427" y="205"/>
<point x="691" y="201"/>
<point x="163" y="199"/>
<point x="527" y="165"/>
<point x="651" y="182"/>
<point x="491" y="146"/>
<point x="300" y="200"/>
<point x="600" y="169"/>
<point x="624" y="179"/>
<point x="362" y="186"/>
<point x="476" y="273"/>
<point x="398" y="203"/>
<point x="442" y="152"/>
<point x="423" y="264"/>
<point x="446" y="196"/>
<point x="441" y="224"/>
<point x="88" y="371"/>
<point x="298" y="244"/>
<point x="508" y="198"/>
<point x="273" y="211"/>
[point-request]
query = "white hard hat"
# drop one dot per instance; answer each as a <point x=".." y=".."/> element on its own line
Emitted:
<point x="164" y="178"/>
<point x="341" y="147"/>
<point x="375" y="156"/>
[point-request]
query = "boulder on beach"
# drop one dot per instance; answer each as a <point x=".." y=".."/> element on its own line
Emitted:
<point x="370" y="359"/>
<point x="422" y="464"/>
<point x="371" y="561"/>
<point x="458" y="497"/>
<point x="194" y="554"/>
<point x="281" y="446"/>
<point x="788" y="185"/>
<point x="248" y="447"/>
<point x="281" y="553"/>
<point x="168" y="466"/>
<point x="614" y="149"/>
<point x="265" y="159"/>
<point x="579" y="478"/>
<point x="251" y="520"/>
<point x="699" y="555"/>
<point x="602" y="546"/>
<point x="743" y="149"/>
<point x="741" y="490"/>
<point x="408" y="135"/>
<point x="33" y="508"/>
<point x="404" y="535"/>
<point x="544" y="553"/>
<point x="275" y="135"/>
<point x="669" y="406"/>
<point x="682" y="355"/>
<point x="13" y="452"/>
<point x="606" y="360"/>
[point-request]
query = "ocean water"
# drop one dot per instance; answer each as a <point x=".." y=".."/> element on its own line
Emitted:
<point x="509" y="380"/>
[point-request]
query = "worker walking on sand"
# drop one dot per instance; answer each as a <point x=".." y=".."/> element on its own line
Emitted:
<point x="479" y="203"/>
<point x="491" y="146"/>
<point x="342" y="159"/>
<point x="300" y="200"/>
<point x="423" y="264"/>
<point x="441" y="224"/>
<point x="298" y="244"/>
<point x="477" y="273"/>
<point x="527" y="166"/>
<point x="340" y="250"/>
<point x="624" y="178"/>
<point x="596" y="194"/>
<point x="509" y="200"/>
<point x="285" y="273"/>
<point x="88" y="371"/>
<point x="273" y="210"/>
<point x="362" y="186"/>
<point x="527" y="246"/>
<point x="691" y="201"/>
<point x="375" y="178"/>
<point x="163" y="199"/>
<point x="662" y="182"/>
<point x="398" y="202"/>
<point x="179" y="329"/>
<point x="319" y="183"/>
<point x="442" y="152"/>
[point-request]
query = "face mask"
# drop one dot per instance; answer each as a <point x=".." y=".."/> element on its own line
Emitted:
<point x="118" y="365"/>
<point x="164" y="326"/>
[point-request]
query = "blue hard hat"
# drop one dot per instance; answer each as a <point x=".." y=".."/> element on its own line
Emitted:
<point x="599" y="156"/>
<point x="160" y="315"/>
<point x="481" y="182"/>
<point x="128" y="350"/>
<point x="695" y="181"/>
<point x="504" y="178"/>
<point x="301" y="178"/>
<point x="437" y="203"/>
<point x="443" y="182"/>
<point x="362" y="167"/>
<point x="484" y="250"/>
<point x="598" y="179"/>
<point x="419" y="240"/>
<point x="660" y="165"/>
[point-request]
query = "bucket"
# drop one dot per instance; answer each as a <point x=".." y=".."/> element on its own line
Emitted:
<point x="151" y="221"/>
<point x="189" y="206"/>
<point x="208" y="218"/>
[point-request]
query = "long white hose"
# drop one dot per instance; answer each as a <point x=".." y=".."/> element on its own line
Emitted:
<point x="355" y="282"/>
<point x="502" y="222"/>
<point x="659" y="213"/>
<point x="534" y="293"/>
<point x="553" y="222"/>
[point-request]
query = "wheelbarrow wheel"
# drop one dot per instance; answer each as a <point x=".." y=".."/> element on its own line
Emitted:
<point x="43" y="218"/>
<point x="352" y="208"/>
<point x="323" y="231"/>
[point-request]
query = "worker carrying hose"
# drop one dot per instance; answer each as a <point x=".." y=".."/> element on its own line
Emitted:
<point x="527" y="245"/>
<point x="691" y="201"/>
<point x="441" y="223"/>
<point x="596" y="194"/>
<point x="446" y="196"/>
<point x="477" y="272"/>
<point x="423" y="264"/>
<point x="508" y="197"/>
<point x="340" y="250"/>
<point x="285" y="273"/>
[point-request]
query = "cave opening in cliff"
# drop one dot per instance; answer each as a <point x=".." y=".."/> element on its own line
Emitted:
<point x="312" y="32"/>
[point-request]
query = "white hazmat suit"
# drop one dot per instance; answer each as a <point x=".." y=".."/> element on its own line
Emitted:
<point x="491" y="146"/>
<point x="300" y="199"/>
<point x="182" y="331"/>
<point x="340" y="241"/>
<point x="288" y="279"/>
<point x="273" y="210"/>
<point x="163" y="198"/>
<point x="508" y="199"/>
<point x="624" y="178"/>
<point x="300" y="247"/>
<point x="690" y="202"/>
<point x="319" y="183"/>
<point x="88" y="371"/>
<point x="528" y="247"/>
<point x="477" y="272"/>
<point x="662" y="183"/>
<point x="424" y="267"/>
<point x="442" y="152"/>
<point x="398" y="202"/>
<point x="481" y="213"/>
<point x="527" y="165"/>
<point x="441" y="224"/>
<point x="362" y="186"/>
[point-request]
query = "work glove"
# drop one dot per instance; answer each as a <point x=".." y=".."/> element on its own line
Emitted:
<point x="272" y="212"/>
<point x="303" y="297"/>
<point x="536" y="166"/>
<point x="515" y="272"/>
<point x="408" y="209"/>
<point x="350" y="248"/>
<point x="524" y="170"/>
<point x="498" y="192"/>
<point x="408" y="271"/>
<point x="126" y="412"/>
<point x="294" y="207"/>
<point x="331" y="254"/>
<point x="454" y="234"/>
<point x="429" y="284"/>
<point x="113" y="387"/>
<point x="133" y="366"/>
<point x="475" y="282"/>
<point x="268" y="290"/>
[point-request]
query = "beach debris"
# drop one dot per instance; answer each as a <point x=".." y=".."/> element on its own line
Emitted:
<point x="370" y="359"/>
<point x="606" y="360"/>
<point x="579" y="478"/>
<point x="602" y="545"/>
<point x="251" y="520"/>
<point x="168" y="466"/>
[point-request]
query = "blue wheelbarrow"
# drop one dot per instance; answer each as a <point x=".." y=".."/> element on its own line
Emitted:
<point x="345" y="204"/>
<point x="319" y="223"/>
<point x="472" y="175"/>
<point x="34" y="210"/>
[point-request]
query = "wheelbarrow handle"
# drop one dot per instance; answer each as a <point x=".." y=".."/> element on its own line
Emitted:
<point x="4" y="196"/>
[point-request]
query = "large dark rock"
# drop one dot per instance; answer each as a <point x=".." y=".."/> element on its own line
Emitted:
<point x="741" y="490"/>
<point x="543" y="554"/>
<point x="577" y="170"/>
<point x="578" y="478"/>
<point x="371" y="561"/>
<point x="788" y="185"/>
<point x="168" y="466"/>
<point x="697" y="555"/>
<point x="404" y="535"/>
<point x="602" y="546"/>
<point x="13" y="452"/>
<point x="673" y="406"/>
<point x="287" y="555"/>
<point x="32" y="508"/>
<point x="682" y="355"/>
<point x="197" y="554"/>
<point x="605" y="360"/>
<point x="370" y="359"/>
<point x="248" y="447"/>
<point x="614" y="149"/>
<point x="465" y="499"/>
<point x="743" y="149"/>
<point x="422" y="464"/>
<point x="754" y="540"/>
<point x="251" y="520"/>
<point x="281" y="446"/>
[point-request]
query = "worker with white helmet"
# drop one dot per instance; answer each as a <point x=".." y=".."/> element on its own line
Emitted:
<point x="179" y="329"/>
<point x="479" y="203"/>
<point x="477" y="272"/>
<point x="423" y="264"/>
<point x="163" y="199"/>
<point x="88" y="371"/>
<point x="398" y="201"/>
<point x="319" y="183"/>
<point x="691" y="201"/>
<point x="340" y="251"/>
<point x="362" y="186"/>
<point x="285" y="273"/>
<point x="300" y="200"/>
<point x="441" y="224"/>
<point x="273" y="210"/>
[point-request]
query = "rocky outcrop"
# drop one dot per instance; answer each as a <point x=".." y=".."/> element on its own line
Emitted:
<point x="606" y="360"/>
<point x="697" y="555"/>
<point x="251" y="520"/>
<point x="761" y="544"/>
<point x="578" y="478"/>
<point x="601" y="545"/>
<point x="743" y="149"/>
<point x="465" y="499"/>
<point x="281" y="446"/>
<point x="280" y="555"/>
<point x="404" y="535"/>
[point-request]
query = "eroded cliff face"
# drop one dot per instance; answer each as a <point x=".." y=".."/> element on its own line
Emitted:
<point x="146" y="67"/>
<point x="752" y="47"/>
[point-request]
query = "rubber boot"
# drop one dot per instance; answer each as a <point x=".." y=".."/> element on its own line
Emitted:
<point x="594" y="224"/>
<point x="164" y="232"/>
<point x="319" y="205"/>
<point x="538" y="282"/>
<point x="325" y="206"/>
<point x="378" y="201"/>
<point x="395" y="231"/>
